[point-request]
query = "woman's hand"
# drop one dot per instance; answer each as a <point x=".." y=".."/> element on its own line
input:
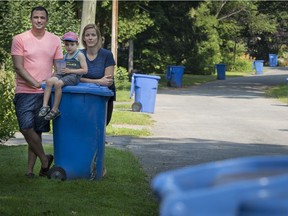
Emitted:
<point x="107" y="80"/>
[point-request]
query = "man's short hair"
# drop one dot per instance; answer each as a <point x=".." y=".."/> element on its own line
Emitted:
<point x="38" y="8"/>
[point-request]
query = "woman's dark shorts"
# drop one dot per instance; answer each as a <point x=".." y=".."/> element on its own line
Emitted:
<point x="27" y="107"/>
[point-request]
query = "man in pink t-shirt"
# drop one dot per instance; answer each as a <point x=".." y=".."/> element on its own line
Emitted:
<point x="33" y="53"/>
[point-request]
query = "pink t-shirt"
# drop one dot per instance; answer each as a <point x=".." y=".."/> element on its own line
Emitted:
<point x="38" y="57"/>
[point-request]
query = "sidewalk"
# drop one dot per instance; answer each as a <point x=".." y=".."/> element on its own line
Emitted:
<point x="214" y="121"/>
<point x="18" y="139"/>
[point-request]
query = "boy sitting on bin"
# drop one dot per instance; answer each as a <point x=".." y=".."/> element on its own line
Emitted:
<point x="67" y="75"/>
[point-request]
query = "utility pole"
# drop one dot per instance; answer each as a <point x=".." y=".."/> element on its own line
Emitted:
<point x="114" y="37"/>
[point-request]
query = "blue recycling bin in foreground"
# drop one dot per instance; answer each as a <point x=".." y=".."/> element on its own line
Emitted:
<point x="79" y="132"/>
<point x="221" y="71"/>
<point x="273" y="60"/>
<point x="258" y="66"/>
<point x="145" y="88"/>
<point x="244" y="186"/>
<point x="174" y="75"/>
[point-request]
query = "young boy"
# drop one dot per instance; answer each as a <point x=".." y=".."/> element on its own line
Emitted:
<point x="70" y="75"/>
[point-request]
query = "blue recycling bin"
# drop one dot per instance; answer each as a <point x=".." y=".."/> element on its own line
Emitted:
<point x="258" y="66"/>
<point x="273" y="60"/>
<point x="174" y="75"/>
<point x="79" y="132"/>
<point x="145" y="88"/>
<point x="259" y="197"/>
<point x="225" y="186"/>
<point x="221" y="71"/>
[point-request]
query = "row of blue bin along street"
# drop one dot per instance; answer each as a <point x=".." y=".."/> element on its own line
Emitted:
<point x="174" y="74"/>
<point x="145" y="86"/>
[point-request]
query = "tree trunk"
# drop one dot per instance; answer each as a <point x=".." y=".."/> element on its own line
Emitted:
<point x="88" y="15"/>
<point x="130" y="55"/>
<point x="114" y="37"/>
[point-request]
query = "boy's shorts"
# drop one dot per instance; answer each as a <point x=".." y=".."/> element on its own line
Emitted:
<point x="69" y="79"/>
<point x="27" y="107"/>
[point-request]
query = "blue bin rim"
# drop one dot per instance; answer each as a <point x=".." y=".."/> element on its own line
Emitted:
<point x="146" y="76"/>
<point x="259" y="61"/>
<point x="85" y="88"/>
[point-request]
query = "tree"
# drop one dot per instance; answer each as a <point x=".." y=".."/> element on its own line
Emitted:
<point x="170" y="40"/>
<point x="273" y="36"/>
<point x="207" y="43"/>
<point x="88" y="15"/>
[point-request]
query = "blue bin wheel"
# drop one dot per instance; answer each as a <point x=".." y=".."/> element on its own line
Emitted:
<point x="136" y="107"/>
<point x="57" y="173"/>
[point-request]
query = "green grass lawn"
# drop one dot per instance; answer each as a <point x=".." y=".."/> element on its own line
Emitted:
<point x="124" y="191"/>
<point x="280" y="92"/>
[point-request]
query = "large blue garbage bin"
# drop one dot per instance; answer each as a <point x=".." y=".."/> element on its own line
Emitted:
<point x="79" y="132"/>
<point x="273" y="60"/>
<point x="258" y="66"/>
<point x="225" y="186"/>
<point x="174" y="75"/>
<point x="145" y="88"/>
<point x="221" y="71"/>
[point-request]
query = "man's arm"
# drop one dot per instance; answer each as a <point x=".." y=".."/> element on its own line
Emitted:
<point x="18" y="63"/>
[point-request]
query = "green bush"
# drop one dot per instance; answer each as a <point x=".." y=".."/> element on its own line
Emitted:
<point x="241" y="65"/>
<point x="121" y="79"/>
<point x="8" y="122"/>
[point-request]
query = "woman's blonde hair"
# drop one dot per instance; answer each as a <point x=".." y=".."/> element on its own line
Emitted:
<point x="98" y="33"/>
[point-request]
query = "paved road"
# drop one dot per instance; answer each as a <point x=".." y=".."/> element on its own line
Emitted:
<point x="214" y="121"/>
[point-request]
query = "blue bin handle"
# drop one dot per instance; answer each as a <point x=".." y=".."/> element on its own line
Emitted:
<point x="132" y="89"/>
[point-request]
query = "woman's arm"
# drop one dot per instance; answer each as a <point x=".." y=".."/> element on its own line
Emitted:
<point x="109" y="71"/>
<point x="107" y="80"/>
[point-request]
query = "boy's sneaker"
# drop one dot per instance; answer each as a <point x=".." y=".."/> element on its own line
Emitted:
<point x="52" y="115"/>
<point x="44" y="111"/>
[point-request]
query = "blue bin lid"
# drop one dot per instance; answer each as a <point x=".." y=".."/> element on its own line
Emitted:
<point x="146" y="76"/>
<point x="86" y="88"/>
